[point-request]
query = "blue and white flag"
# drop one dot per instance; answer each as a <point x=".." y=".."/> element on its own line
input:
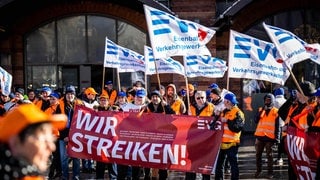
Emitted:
<point x="5" y="81"/>
<point x="252" y="58"/>
<point x="171" y="36"/>
<point x="164" y="66"/>
<point x="125" y="60"/>
<point x="204" y="66"/>
<point x="291" y="47"/>
<point x="314" y="51"/>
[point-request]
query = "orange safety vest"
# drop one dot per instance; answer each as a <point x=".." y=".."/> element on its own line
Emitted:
<point x="51" y="110"/>
<point x="176" y="106"/>
<point x="207" y="111"/>
<point x="112" y="97"/>
<point x="228" y="135"/>
<point x="300" y="120"/>
<point x="266" y="124"/>
<point x="316" y="122"/>
<point x="62" y="105"/>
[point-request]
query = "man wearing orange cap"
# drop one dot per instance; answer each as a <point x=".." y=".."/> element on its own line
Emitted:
<point x="26" y="142"/>
<point x="192" y="100"/>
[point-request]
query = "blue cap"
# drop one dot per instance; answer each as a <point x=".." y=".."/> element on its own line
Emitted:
<point x="122" y="94"/>
<point x="213" y="85"/>
<point x="279" y="91"/>
<point x="140" y="93"/>
<point x="317" y="93"/>
<point x="70" y="89"/>
<point x="54" y="94"/>
<point x="108" y="82"/>
<point x="231" y="97"/>
<point x="46" y="89"/>
<point x="183" y="92"/>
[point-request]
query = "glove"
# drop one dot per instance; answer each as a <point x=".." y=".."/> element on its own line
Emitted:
<point x="215" y="125"/>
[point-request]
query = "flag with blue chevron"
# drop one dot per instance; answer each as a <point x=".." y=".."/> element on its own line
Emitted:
<point x="171" y="36"/>
<point x="253" y="58"/>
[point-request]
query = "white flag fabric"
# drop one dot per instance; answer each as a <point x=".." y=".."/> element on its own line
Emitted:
<point x="290" y="46"/>
<point x="171" y="36"/>
<point x="204" y="66"/>
<point x="314" y="51"/>
<point x="164" y="66"/>
<point x="252" y="58"/>
<point x="5" y="81"/>
<point x="122" y="58"/>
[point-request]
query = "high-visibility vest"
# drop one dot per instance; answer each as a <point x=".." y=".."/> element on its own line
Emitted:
<point x="112" y="96"/>
<point x="207" y="111"/>
<point x="266" y="124"/>
<point x="176" y="106"/>
<point x="228" y="135"/>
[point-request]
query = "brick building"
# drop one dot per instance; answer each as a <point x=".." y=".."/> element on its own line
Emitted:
<point x="55" y="43"/>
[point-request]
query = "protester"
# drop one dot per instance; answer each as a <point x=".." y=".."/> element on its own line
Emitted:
<point x="278" y="102"/>
<point x="3" y="100"/>
<point x="89" y="100"/>
<point x="191" y="91"/>
<point x="67" y="105"/>
<point x="111" y="92"/>
<point x="43" y="103"/>
<point x="267" y="133"/>
<point x="233" y="122"/>
<point x="173" y="100"/>
<point x="16" y="100"/>
<point x="112" y="167"/>
<point x="32" y="96"/>
<point x="200" y="108"/>
<point x="158" y="105"/>
<point x="138" y="105"/>
<point x="55" y="170"/>
<point x="26" y="142"/>
<point x="297" y="117"/>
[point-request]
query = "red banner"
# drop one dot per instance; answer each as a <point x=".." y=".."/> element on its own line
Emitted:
<point x="182" y="143"/>
<point x="294" y="145"/>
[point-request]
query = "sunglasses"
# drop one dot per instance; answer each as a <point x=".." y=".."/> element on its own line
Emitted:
<point x="200" y="98"/>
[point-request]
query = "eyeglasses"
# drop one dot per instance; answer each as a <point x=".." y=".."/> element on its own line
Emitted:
<point x="198" y="98"/>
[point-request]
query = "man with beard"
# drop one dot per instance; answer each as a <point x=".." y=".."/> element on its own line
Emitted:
<point x="173" y="100"/>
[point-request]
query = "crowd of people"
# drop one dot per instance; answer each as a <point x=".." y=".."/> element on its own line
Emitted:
<point x="272" y="121"/>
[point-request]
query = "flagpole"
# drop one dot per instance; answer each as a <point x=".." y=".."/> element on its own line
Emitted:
<point x="294" y="78"/>
<point x="186" y="81"/>
<point x="103" y="74"/>
<point x="118" y="80"/>
<point x="159" y="84"/>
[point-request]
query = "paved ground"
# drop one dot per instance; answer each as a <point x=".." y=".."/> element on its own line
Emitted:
<point x="246" y="165"/>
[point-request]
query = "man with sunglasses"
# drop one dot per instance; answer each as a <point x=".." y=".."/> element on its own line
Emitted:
<point x="201" y="108"/>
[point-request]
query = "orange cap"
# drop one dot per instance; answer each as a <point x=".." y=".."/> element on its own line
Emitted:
<point x="90" y="90"/>
<point x="190" y="87"/>
<point x="24" y="115"/>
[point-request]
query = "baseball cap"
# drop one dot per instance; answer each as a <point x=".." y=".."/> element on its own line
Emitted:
<point x="190" y="87"/>
<point x="231" y="97"/>
<point x="155" y="92"/>
<point x="90" y="90"/>
<point x="54" y="94"/>
<point x="213" y="85"/>
<point x="24" y="115"/>
<point x="317" y="93"/>
<point x="140" y="93"/>
<point x="122" y="94"/>
<point x="46" y="89"/>
<point x="108" y="82"/>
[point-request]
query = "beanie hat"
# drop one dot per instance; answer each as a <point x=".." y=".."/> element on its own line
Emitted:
<point x="231" y="97"/>
<point x="70" y="89"/>
<point x="155" y="93"/>
<point x="216" y="91"/>
<point x="308" y="88"/>
<point x="20" y="90"/>
<point x="279" y="91"/>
